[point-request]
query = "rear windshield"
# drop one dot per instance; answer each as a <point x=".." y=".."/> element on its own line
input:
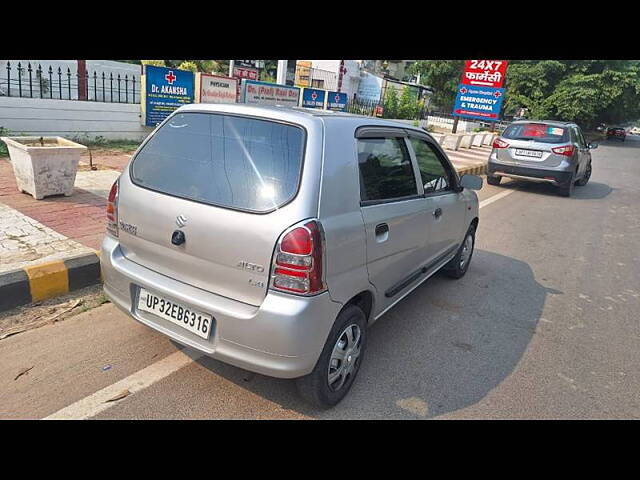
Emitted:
<point x="539" y="132"/>
<point x="237" y="162"/>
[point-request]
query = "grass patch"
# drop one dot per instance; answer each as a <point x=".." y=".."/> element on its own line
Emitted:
<point x="94" y="143"/>
<point x="101" y="143"/>
<point x="3" y="147"/>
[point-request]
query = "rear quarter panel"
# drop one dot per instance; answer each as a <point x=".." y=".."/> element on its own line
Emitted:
<point x="339" y="212"/>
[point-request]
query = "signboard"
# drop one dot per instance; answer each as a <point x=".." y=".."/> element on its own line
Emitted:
<point x="303" y="73"/>
<point x="370" y="87"/>
<point x="216" y="89"/>
<point x="313" y="97"/>
<point x="478" y="102"/>
<point x="243" y="72"/>
<point x="164" y="90"/>
<point x="337" y="101"/>
<point x="269" y="93"/>
<point x="484" y="73"/>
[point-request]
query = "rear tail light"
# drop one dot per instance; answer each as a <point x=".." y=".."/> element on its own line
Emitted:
<point x="497" y="143"/>
<point x="112" y="210"/>
<point x="567" y="151"/>
<point x="298" y="261"/>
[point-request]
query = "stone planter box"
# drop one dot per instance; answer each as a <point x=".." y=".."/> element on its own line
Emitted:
<point x="44" y="166"/>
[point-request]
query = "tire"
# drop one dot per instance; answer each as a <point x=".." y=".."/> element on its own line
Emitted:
<point x="456" y="268"/>
<point x="493" y="180"/>
<point x="314" y="387"/>
<point x="587" y="175"/>
<point x="567" y="190"/>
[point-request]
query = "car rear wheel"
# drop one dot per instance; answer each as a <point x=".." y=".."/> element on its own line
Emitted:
<point x="459" y="264"/>
<point x="587" y="175"/>
<point x="339" y="362"/>
<point x="493" y="180"/>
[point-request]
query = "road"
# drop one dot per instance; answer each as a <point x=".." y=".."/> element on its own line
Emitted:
<point x="544" y="325"/>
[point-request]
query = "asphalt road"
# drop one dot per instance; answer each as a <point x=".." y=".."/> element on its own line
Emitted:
<point x="544" y="325"/>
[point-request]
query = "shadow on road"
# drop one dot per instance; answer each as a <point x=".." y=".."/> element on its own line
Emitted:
<point x="591" y="191"/>
<point x="441" y="349"/>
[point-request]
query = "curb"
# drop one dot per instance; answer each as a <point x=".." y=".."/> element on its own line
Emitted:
<point x="48" y="280"/>
<point x="473" y="170"/>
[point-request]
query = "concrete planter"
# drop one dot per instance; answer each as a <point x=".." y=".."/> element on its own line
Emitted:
<point x="44" y="166"/>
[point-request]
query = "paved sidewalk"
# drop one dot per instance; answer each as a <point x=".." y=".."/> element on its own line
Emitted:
<point x="33" y="231"/>
<point x="24" y="241"/>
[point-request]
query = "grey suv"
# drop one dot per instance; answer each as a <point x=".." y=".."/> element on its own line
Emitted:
<point x="542" y="151"/>
<point x="270" y="238"/>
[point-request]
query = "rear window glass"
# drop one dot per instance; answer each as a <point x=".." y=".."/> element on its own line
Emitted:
<point x="235" y="162"/>
<point x="539" y="132"/>
<point x="385" y="169"/>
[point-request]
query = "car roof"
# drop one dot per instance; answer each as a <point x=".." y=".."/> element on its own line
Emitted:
<point x="278" y="111"/>
<point x="548" y="122"/>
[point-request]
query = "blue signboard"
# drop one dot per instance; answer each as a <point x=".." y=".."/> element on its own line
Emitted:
<point x="165" y="90"/>
<point x="481" y="103"/>
<point x="313" y="97"/>
<point x="337" y="101"/>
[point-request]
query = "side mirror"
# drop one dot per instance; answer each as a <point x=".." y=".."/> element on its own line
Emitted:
<point x="592" y="146"/>
<point x="472" y="182"/>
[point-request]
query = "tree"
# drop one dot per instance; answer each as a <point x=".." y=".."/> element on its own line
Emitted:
<point x="187" y="65"/>
<point x="155" y="63"/>
<point x="390" y="103"/>
<point x="584" y="91"/>
<point x="441" y="75"/>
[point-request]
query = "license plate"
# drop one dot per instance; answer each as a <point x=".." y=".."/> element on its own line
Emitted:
<point x="528" y="153"/>
<point x="192" y="320"/>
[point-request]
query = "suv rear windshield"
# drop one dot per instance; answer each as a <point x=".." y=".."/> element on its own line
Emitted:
<point x="237" y="162"/>
<point x="540" y="132"/>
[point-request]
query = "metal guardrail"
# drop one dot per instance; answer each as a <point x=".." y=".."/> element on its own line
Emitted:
<point x="51" y="84"/>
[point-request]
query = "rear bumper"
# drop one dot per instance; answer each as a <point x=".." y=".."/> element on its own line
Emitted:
<point x="283" y="337"/>
<point x="531" y="174"/>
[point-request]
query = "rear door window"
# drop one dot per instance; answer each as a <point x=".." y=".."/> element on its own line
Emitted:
<point x="540" y="132"/>
<point x="386" y="171"/>
<point x="230" y="161"/>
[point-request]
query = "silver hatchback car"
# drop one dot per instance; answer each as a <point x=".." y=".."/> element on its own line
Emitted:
<point x="545" y="151"/>
<point x="270" y="238"/>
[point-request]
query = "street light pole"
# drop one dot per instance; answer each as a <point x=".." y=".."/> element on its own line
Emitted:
<point x="231" y="62"/>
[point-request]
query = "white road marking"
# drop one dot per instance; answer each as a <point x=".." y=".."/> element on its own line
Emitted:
<point x="96" y="403"/>
<point x="494" y="198"/>
<point x="93" y="404"/>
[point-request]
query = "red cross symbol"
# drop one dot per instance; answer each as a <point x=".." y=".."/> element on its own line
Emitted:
<point x="170" y="77"/>
<point x="314" y="95"/>
<point x="497" y="94"/>
<point x="463" y="90"/>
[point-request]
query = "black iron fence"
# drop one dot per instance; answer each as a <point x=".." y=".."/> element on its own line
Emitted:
<point x="364" y="107"/>
<point x="36" y="82"/>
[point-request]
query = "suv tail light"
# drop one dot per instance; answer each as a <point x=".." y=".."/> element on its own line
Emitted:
<point x="567" y="151"/>
<point x="298" y="261"/>
<point x="112" y="210"/>
<point x="497" y="143"/>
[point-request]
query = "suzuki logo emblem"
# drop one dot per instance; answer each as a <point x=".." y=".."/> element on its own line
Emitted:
<point x="181" y="220"/>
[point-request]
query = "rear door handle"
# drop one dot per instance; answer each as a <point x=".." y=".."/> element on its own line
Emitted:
<point x="381" y="229"/>
<point x="437" y="212"/>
